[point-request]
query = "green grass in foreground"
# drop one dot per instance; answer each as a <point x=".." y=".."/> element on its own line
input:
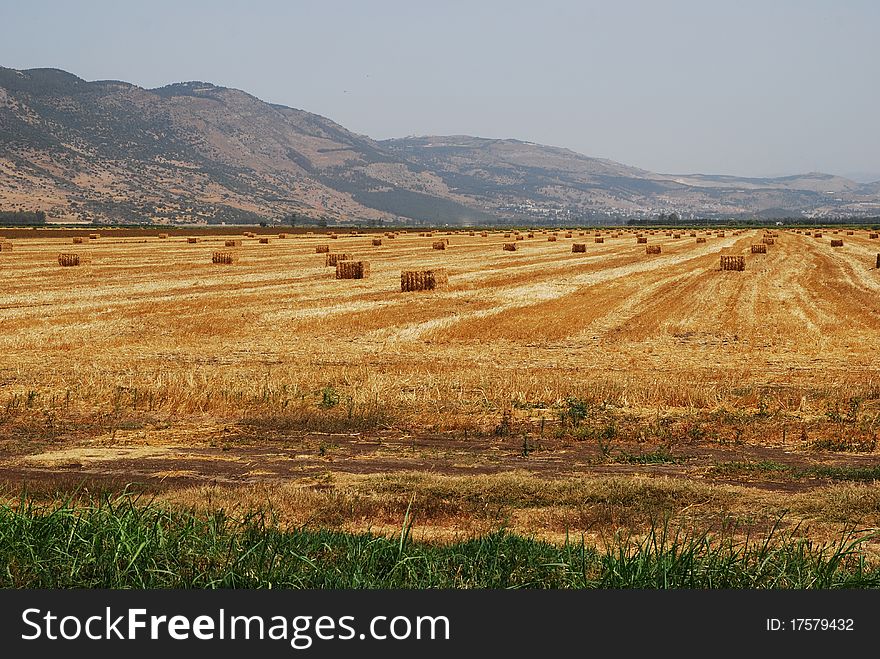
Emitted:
<point x="770" y="468"/>
<point x="122" y="543"/>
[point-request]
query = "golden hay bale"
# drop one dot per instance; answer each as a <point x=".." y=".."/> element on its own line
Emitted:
<point x="878" y="261"/>
<point x="438" y="244"/>
<point x="817" y="235"/>
<point x="737" y="263"/>
<point x="331" y="259"/>
<point x="5" y="246"/>
<point x="163" y="236"/>
<point x="509" y="247"/>
<point x="94" y="236"/>
<point x="872" y="236"/>
<point x="701" y="239"/>
<point x="720" y="234"/>
<point x="233" y="243"/>
<point x="652" y="249"/>
<point x="692" y="234"/>
<point x="224" y="258"/>
<point x="760" y="248"/>
<point x="599" y="239"/>
<point x="642" y="239"/>
<point x="423" y="280"/>
<point x="676" y="236"/>
<point x="837" y="242"/>
<point x="507" y="235"/>
<point x="551" y="238"/>
<point x="577" y="248"/>
<point x="352" y="269"/>
<point x="333" y="236"/>
<point x="77" y="240"/>
<point x="283" y="236"/>
<point x="322" y="249"/>
<point x="769" y="241"/>
<point x="391" y="236"/>
<point x="484" y="234"/>
<point x="520" y="237"/>
<point x="472" y="233"/>
<point x="68" y="259"/>
<point x="377" y="242"/>
<point x="192" y="240"/>
<point x="568" y="234"/>
<point x="264" y="241"/>
<point x="530" y="235"/>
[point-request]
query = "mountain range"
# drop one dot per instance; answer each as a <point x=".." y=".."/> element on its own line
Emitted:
<point x="195" y="152"/>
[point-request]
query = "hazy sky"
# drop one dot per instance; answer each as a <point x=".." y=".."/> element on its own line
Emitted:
<point x="740" y="87"/>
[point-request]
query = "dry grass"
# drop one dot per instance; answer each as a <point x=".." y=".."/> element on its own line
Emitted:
<point x="158" y="349"/>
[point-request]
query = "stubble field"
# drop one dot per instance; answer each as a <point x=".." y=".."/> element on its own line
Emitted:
<point x="552" y="393"/>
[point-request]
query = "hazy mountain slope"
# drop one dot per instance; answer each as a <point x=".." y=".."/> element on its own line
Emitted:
<point x="192" y="151"/>
<point x="520" y="176"/>
<point x="197" y="152"/>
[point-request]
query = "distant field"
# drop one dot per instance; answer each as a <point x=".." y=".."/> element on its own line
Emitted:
<point x="549" y="392"/>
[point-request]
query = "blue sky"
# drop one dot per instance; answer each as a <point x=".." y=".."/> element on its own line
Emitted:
<point x="748" y="88"/>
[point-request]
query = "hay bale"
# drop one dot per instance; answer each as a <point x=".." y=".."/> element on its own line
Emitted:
<point x="264" y="241"/>
<point x="192" y="240"/>
<point x="283" y="236"/>
<point x="472" y="233"/>
<point x="837" y="242"/>
<point x="849" y="233"/>
<point x="878" y="261"/>
<point x="5" y="246"/>
<point x="599" y="239"/>
<point x="760" y="248"/>
<point x="720" y="234"/>
<point x="701" y="239"/>
<point x="676" y="236"/>
<point x="322" y="249"/>
<point x="530" y="235"/>
<point x="484" y="234"/>
<point x="692" y="234"/>
<point x="352" y="269"/>
<point x="331" y="259"/>
<point x="577" y="248"/>
<point x="872" y="236"/>
<point x="652" y="249"/>
<point x="737" y="263"/>
<point x="769" y="241"/>
<point x="94" y="236"/>
<point x="236" y="242"/>
<point x="67" y="260"/>
<point x="551" y="239"/>
<point x="642" y="239"/>
<point x="224" y="258"/>
<point x="817" y="235"/>
<point x="163" y="236"/>
<point x="438" y="244"/>
<point x="77" y="240"/>
<point x="423" y="280"/>
<point x="509" y="247"/>
<point x="568" y="234"/>
<point x="520" y="237"/>
<point x="377" y="242"/>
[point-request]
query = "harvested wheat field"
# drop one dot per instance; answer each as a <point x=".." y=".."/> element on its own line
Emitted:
<point x="543" y="390"/>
